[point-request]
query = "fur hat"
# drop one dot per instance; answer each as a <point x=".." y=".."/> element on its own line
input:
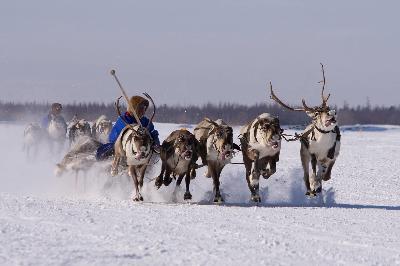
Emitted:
<point x="135" y="101"/>
<point x="56" y="107"/>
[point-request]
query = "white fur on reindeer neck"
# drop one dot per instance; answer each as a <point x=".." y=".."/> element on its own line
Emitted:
<point x="133" y="153"/>
<point x="212" y="153"/>
<point x="259" y="141"/>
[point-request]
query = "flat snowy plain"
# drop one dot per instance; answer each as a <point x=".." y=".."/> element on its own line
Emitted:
<point x="44" y="220"/>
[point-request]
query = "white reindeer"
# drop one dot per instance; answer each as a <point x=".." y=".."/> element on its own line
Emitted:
<point x="320" y="142"/>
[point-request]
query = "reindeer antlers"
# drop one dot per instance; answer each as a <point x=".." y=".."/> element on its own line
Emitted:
<point x="306" y="108"/>
<point x="323" y="81"/>
<point x="154" y="107"/>
<point x="276" y="99"/>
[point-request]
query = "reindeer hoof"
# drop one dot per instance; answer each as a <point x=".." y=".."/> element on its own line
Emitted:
<point x="167" y="181"/>
<point x="187" y="196"/>
<point x="318" y="190"/>
<point x="326" y="178"/>
<point x="114" y="172"/>
<point x="218" y="199"/>
<point x="140" y="198"/>
<point x="311" y="194"/>
<point x="256" y="198"/>
<point x="158" y="183"/>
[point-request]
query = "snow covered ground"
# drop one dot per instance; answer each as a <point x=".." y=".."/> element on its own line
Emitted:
<point x="44" y="220"/>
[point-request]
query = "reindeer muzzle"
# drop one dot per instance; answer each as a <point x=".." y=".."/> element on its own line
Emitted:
<point x="330" y="121"/>
<point x="274" y="141"/>
<point x="187" y="154"/>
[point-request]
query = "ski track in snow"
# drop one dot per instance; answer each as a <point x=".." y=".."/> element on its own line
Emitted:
<point x="44" y="220"/>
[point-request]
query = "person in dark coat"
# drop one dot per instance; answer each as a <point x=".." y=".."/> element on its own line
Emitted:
<point x="139" y="105"/>
<point x="54" y="111"/>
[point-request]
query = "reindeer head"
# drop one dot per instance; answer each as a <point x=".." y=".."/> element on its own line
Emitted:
<point x="139" y="136"/>
<point x="323" y="117"/>
<point x="104" y="127"/>
<point x="81" y="128"/>
<point x="222" y="139"/>
<point x="185" y="144"/>
<point x="141" y="142"/>
<point x="269" y="130"/>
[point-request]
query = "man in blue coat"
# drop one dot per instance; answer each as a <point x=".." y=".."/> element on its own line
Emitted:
<point x="139" y="105"/>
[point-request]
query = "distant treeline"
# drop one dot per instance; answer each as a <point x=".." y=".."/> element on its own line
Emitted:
<point x="234" y="114"/>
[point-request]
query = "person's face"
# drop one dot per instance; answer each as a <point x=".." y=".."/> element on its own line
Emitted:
<point x="141" y="110"/>
<point x="56" y="110"/>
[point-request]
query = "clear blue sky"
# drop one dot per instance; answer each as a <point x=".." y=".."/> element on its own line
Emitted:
<point x="193" y="52"/>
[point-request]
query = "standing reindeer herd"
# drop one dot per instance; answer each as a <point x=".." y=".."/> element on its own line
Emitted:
<point x="211" y="142"/>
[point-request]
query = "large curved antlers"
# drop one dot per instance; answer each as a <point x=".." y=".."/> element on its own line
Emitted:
<point x="276" y="99"/>
<point x="154" y="107"/>
<point x="323" y="81"/>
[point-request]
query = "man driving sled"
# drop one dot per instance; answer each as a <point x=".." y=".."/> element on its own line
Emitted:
<point x="139" y="105"/>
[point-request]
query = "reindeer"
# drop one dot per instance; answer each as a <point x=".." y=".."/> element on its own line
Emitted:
<point x="57" y="130"/>
<point x="178" y="155"/>
<point x="261" y="144"/>
<point x="80" y="158"/>
<point x="78" y="129"/>
<point x="134" y="144"/>
<point x="215" y="149"/>
<point x="33" y="135"/>
<point x="320" y="142"/>
<point x="101" y="129"/>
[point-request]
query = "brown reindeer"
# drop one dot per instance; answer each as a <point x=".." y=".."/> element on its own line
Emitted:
<point x="178" y="155"/>
<point x="134" y="144"/>
<point x="261" y="145"/>
<point x="215" y="149"/>
<point x="320" y="142"/>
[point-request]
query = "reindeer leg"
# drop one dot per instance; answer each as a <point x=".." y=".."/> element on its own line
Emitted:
<point x="133" y="175"/>
<point x="114" y="166"/>
<point x="187" y="195"/>
<point x="315" y="182"/>
<point x="84" y="181"/>
<point x="272" y="170"/>
<point x="255" y="179"/>
<point x="140" y="175"/>
<point x="305" y="161"/>
<point x="327" y="175"/>
<point x="216" y="173"/>
<point x="167" y="177"/>
<point x="76" y="180"/>
<point x="247" y="164"/>
<point x="159" y="179"/>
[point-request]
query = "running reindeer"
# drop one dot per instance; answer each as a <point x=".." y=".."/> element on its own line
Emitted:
<point x="261" y="145"/>
<point x="215" y="149"/>
<point x="57" y="130"/>
<point x="320" y="142"/>
<point x="134" y="145"/>
<point x="80" y="158"/>
<point x="78" y="129"/>
<point x="33" y="135"/>
<point x="178" y="155"/>
<point x="101" y="129"/>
